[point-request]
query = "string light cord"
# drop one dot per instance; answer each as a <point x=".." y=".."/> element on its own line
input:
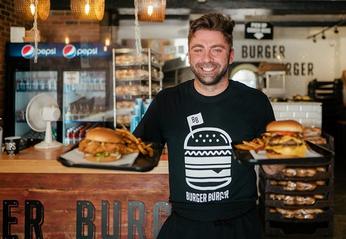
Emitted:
<point x="137" y="31"/>
<point x="35" y="30"/>
<point x="324" y="30"/>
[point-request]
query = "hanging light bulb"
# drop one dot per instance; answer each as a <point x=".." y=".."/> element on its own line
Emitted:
<point x="107" y="41"/>
<point x="151" y="10"/>
<point x="67" y="40"/>
<point x="323" y="36"/>
<point x="32" y="9"/>
<point x="88" y="9"/>
<point x="107" y="44"/>
<point x="26" y="9"/>
<point x="336" y="30"/>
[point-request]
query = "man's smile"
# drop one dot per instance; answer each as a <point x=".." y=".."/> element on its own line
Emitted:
<point x="208" y="67"/>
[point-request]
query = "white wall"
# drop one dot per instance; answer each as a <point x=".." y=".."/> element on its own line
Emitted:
<point x="169" y="29"/>
<point x="307" y="60"/>
<point x="326" y="57"/>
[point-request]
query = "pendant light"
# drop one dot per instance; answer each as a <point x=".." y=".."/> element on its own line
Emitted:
<point x="27" y="8"/>
<point x="88" y="9"/>
<point x="151" y="10"/>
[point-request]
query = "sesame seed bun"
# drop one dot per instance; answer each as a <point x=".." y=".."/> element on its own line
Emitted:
<point x="284" y="125"/>
<point x="101" y="134"/>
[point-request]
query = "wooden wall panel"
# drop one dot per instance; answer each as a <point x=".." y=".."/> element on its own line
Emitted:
<point x="59" y="194"/>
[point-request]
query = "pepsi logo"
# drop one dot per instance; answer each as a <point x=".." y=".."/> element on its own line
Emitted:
<point x="69" y="51"/>
<point x="28" y="51"/>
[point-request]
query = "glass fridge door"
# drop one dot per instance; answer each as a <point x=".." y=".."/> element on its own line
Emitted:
<point x="29" y="84"/>
<point x="84" y="103"/>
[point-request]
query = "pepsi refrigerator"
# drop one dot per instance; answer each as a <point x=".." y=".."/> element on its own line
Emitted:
<point x="77" y="75"/>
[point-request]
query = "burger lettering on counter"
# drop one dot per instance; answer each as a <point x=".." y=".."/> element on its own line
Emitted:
<point x="282" y="143"/>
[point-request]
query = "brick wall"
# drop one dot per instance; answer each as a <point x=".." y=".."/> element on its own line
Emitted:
<point x="8" y="18"/>
<point x="61" y="24"/>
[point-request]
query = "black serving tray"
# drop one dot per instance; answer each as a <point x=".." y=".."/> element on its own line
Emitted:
<point x="142" y="163"/>
<point x="326" y="156"/>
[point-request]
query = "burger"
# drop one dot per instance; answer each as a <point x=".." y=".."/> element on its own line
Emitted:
<point x="284" y="139"/>
<point x="102" y="145"/>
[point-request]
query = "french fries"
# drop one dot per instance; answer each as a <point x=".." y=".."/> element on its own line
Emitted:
<point x="255" y="144"/>
<point x="134" y="143"/>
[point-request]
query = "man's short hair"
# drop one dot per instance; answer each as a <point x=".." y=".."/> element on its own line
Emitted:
<point x="213" y="22"/>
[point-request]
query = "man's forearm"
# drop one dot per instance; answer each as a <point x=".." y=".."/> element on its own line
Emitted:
<point x="273" y="168"/>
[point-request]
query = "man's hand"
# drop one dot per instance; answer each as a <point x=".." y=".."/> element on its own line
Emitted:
<point x="273" y="168"/>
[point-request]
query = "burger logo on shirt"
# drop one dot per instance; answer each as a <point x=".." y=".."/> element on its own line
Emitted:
<point x="208" y="155"/>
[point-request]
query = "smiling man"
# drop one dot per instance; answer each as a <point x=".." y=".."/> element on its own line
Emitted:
<point x="212" y="195"/>
<point x="209" y="56"/>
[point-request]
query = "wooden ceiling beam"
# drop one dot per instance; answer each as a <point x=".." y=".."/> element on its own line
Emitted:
<point x="278" y="6"/>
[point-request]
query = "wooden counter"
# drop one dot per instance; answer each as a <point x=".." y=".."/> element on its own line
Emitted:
<point x="43" y="198"/>
<point x="44" y="161"/>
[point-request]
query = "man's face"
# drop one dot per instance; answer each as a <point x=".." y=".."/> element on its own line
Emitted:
<point x="209" y="55"/>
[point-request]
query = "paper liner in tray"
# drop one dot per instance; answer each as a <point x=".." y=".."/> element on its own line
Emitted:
<point x="129" y="162"/>
<point x="316" y="154"/>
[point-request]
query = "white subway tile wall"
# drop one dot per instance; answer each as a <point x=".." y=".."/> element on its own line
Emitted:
<point x="308" y="114"/>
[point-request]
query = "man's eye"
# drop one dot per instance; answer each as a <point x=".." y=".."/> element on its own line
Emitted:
<point x="197" y="50"/>
<point x="216" y="50"/>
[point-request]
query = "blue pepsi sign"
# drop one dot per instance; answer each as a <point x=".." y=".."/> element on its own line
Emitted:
<point x="68" y="51"/>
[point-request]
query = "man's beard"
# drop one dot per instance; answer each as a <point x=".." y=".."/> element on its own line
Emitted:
<point x="209" y="79"/>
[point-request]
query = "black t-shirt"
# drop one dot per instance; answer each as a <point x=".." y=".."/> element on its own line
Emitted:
<point x="206" y="183"/>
